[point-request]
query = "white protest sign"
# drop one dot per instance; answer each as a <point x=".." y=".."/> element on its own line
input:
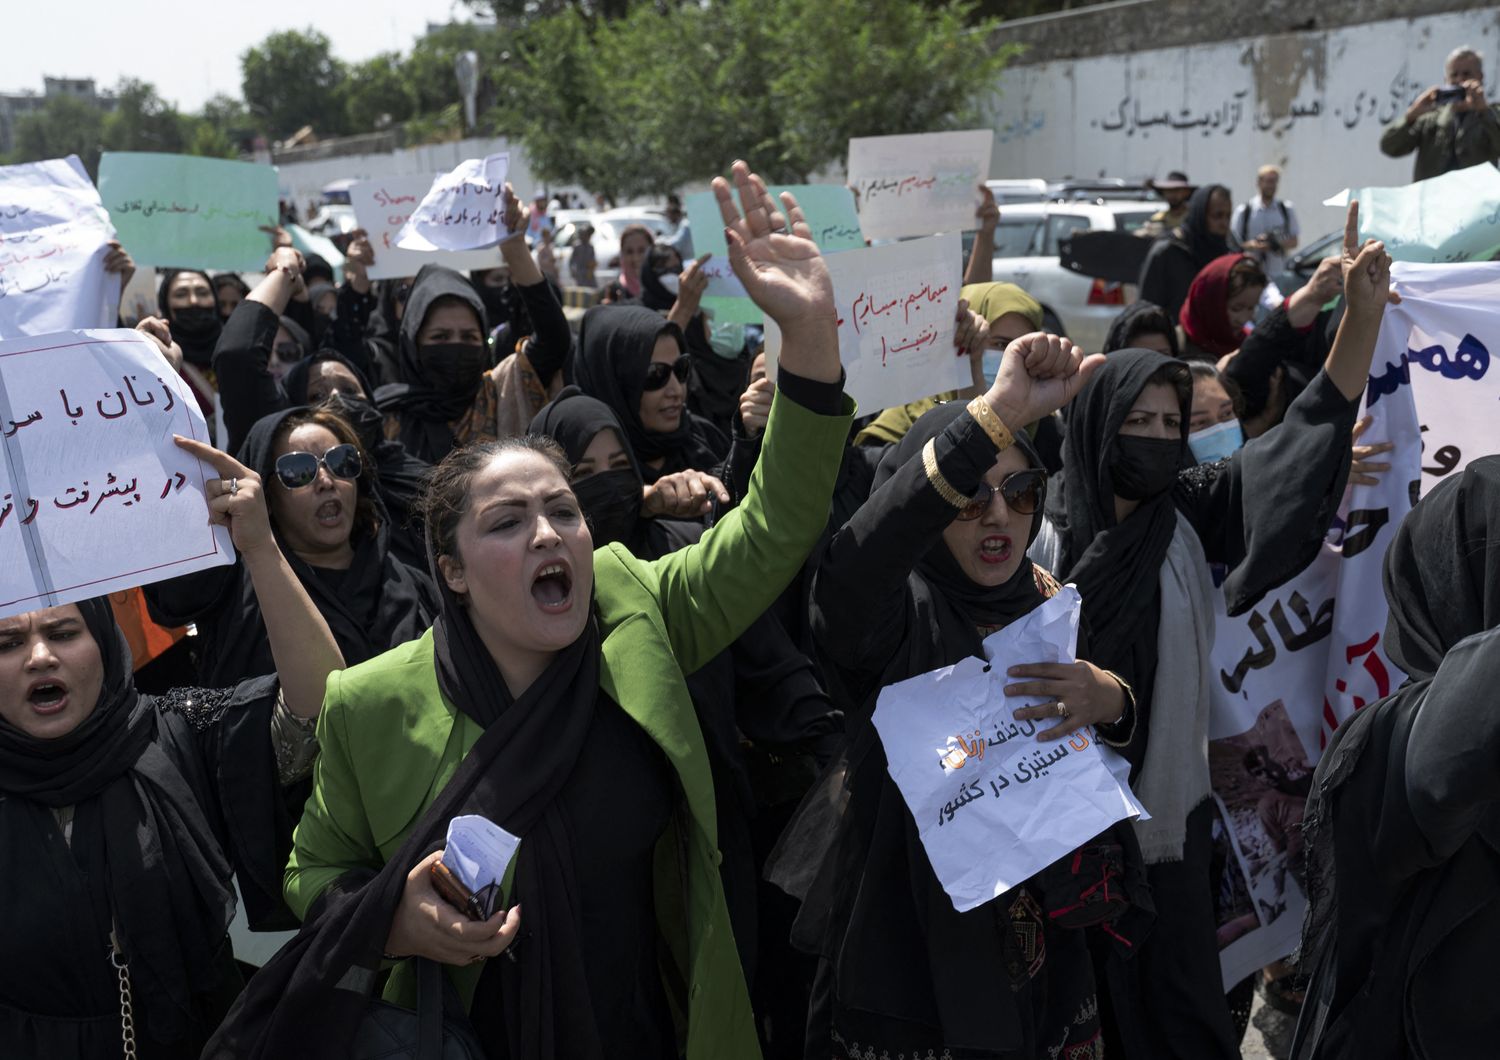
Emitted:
<point x="1311" y="654"/>
<point x="896" y="309"/>
<point x="94" y="495"/>
<point x="382" y="207"/>
<point x="920" y="184"/>
<point x="993" y="805"/>
<point x="53" y="236"/>
<point x="462" y="210"/>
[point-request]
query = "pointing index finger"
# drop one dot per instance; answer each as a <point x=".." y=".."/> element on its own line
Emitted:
<point x="223" y="463"/>
<point x="1351" y="230"/>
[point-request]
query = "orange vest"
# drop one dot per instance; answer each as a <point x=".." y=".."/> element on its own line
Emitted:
<point x="147" y="639"/>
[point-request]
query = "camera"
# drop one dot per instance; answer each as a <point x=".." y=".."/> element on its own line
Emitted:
<point x="1450" y="94"/>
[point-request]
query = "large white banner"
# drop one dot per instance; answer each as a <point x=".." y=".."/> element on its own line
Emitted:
<point x="94" y="494"/>
<point x="1311" y="654"/>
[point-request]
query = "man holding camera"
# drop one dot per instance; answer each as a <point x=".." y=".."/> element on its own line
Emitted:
<point x="1266" y="226"/>
<point x="1450" y="126"/>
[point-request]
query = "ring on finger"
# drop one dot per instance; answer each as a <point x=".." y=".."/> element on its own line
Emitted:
<point x="232" y="487"/>
<point x="1062" y="710"/>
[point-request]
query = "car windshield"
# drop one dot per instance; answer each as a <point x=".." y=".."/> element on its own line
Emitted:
<point x="1017" y="238"/>
<point x="1130" y="222"/>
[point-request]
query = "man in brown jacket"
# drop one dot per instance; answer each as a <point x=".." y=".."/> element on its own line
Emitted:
<point x="1449" y="126"/>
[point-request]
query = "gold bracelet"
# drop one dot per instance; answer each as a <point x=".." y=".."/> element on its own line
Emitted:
<point x="991" y="423"/>
<point x="935" y="477"/>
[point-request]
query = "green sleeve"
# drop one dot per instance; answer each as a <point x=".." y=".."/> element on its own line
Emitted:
<point x="333" y="836"/>
<point x="1401" y="137"/>
<point x="710" y="592"/>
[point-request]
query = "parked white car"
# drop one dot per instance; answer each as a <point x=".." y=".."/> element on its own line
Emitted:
<point x="607" y="228"/>
<point x="1026" y="255"/>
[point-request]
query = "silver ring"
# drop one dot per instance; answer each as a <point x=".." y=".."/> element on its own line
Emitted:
<point x="1062" y="709"/>
<point x="233" y="487"/>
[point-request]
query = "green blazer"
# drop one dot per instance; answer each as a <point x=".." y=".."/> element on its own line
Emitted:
<point x="390" y="740"/>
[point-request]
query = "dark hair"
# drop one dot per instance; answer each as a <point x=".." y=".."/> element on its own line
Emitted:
<point x="1151" y="320"/>
<point x="1243" y="275"/>
<point x="230" y="279"/>
<point x="1178" y="376"/>
<point x="637" y="230"/>
<point x="1209" y="370"/>
<point x="447" y="300"/>
<point x="658" y="256"/>
<point x="446" y="491"/>
<point x="366" y="514"/>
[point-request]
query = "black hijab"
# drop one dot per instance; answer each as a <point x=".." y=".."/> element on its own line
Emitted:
<point x="615" y="343"/>
<point x="426" y="407"/>
<point x="296" y="378"/>
<point x="196" y="333"/>
<point x="513" y="774"/>
<point x="654" y="294"/>
<point x="1136" y="318"/>
<point x="1116" y="566"/>
<point x="169" y="882"/>
<point x="1193" y="234"/>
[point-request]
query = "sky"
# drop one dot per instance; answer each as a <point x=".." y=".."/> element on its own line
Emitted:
<point x="191" y="51"/>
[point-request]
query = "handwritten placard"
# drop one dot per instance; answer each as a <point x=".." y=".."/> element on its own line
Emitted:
<point x="920" y="184"/>
<point x="992" y="804"/>
<point x="896" y="306"/>
<point x="383" y="206"/>
<point x="462" y="210"/>
<point x="189" y="212"/>
<point x="828" y="208"/>
<point x="53" y="231"/>
<point x="1448" y="219"/>
<point x="94" y="495"/>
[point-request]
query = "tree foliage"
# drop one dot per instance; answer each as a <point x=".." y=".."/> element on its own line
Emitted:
<point x="668" y="95"/>
<point x="291" y="79"/>
<point x="66" y="125"/>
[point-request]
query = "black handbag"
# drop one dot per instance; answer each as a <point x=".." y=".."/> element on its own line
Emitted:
<point x="438" y="1030"/>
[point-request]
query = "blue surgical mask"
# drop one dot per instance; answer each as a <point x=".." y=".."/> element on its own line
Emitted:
<point x="1216" y="442"/>
<point x="727" y="339"/>
<point x="990" y="365"/>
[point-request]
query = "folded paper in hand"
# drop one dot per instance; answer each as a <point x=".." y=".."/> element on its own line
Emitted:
<point x="478" y="851"/>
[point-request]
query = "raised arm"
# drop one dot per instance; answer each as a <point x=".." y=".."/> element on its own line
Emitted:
<point x="981" y="268"/>
<point x="247" y="390"/>
<point x="302" y="645"/>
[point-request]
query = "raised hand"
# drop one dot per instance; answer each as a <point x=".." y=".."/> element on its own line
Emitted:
<point x="160" y="332"/>
<point x="513" y="215"/>
<point x="1039" y="374"/>
<point x="1363" y="467"/>
<point x="1367" y="270"/>
<point x="119" y="260"/>
<point x="682" y="495"/>
<point x="236" y="500"/>
<point x="359" y="255"/>
<point x="781" y="268"/>
<point x="988" y="213"/>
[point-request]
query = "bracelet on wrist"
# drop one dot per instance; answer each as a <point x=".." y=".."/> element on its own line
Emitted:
<point x="991" y="423"/>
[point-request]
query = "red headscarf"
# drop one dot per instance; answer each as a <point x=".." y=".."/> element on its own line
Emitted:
<point x="1205" y="313"/>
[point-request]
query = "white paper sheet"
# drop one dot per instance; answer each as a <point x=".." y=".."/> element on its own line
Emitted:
<point x="896" y="306"/>
<point x="94" y="495"/>
<point x="462" y="210"/>
<point x="382" y="207"/>
<point x="478" y="851"/>
<point x="53" y="231"/>
<point x="919" y="184"/>
<point x="994" y="805"/>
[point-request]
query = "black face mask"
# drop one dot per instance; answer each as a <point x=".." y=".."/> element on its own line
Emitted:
<point x="612" y="502"/>
<point x="1144" y="467"/>
<point x="198" y="326"/>
<point x="368" y="421"/>
<point x="454" y="367"/>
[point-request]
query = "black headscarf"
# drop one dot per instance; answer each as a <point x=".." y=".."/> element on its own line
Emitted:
<point x="295" y="381"/>
<point x="169" y="882"/>
<point x="196" y="333"/>
<point x="426" y="407"/>
<point x="1140" y="317"/>
<point x="615" y="344"/>
<point x="512" y="775"/>
<point x="1193" y="233"/>
<point x="654" y="295"/>
<point x="1116" y="566"/>
<point x="299" y="335"/>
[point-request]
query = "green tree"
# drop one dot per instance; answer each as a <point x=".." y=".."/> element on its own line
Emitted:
<point x="143" y="121"/>
<point x="291" y="79"/>
<point x="376" y="93"/>
<point x="65" y="125"/>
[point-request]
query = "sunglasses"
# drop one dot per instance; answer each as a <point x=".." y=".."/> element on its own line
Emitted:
<point x="296" y="470"/>
<point x="1022" y="492"/>
<point x="657" y="372"/>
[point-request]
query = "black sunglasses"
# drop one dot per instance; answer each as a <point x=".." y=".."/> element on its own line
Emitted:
<point x="296" y="470"/>
<point x="657" y="372"/>
<point x="1022" y="492"/>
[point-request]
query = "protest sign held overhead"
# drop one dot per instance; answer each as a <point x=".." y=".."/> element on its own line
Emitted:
<point x="896" y="312"/>
<point x="94" y="494"/>
<point x="828" y="208"/>
<point x="461" y="211"/>
<point x="920" y="184"/>
<point x="53" y="236"/>
<point x="181" y="211"/>
<point x="993" y="805"/>
<point x="383" y="206"/>
<point x="1451" y="218"/>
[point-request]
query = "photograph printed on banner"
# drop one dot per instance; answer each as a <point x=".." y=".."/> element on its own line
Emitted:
<point x="1261" y="781"/>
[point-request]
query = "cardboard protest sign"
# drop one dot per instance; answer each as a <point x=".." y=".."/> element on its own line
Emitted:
<point x="896" y="306"/>
<point x="188" y="212"/>
<point x="1451" y="218"/>
<point x="992" y="804"/>
<point x="1311" y="654"/>
<point x="94" y="495"/>
<point x="53" y="236"/>
<point x="830" y="213"/>
<point x="920" y="184"/>
<point x="462" y="210"/>
<point x="383" y="206"/>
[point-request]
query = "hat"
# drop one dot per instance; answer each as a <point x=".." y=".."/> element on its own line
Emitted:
<point x="1176" y="181"/>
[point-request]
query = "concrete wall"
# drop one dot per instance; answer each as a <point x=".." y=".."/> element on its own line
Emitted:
<point x="1313" y="102"/>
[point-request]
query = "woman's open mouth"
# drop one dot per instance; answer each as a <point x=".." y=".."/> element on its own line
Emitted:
<point x="48" y="697"/>
<point x="994" y="549"/>
<point x="330" y="513"/>
<point x="553" y="588"/>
